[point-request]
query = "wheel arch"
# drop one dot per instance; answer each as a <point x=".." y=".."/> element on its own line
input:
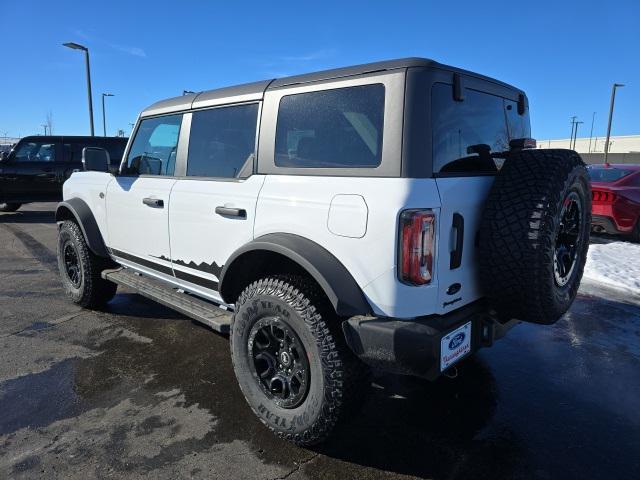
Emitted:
<point x="291" y="251"/>
<point x="77" y="210"/>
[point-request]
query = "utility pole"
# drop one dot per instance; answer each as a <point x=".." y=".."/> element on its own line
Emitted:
<point x="593" y="118"/>
<point x="77" y="46"/>
<point x="575" y="136"/>
<point x="613" y="99"/>
<point x="45" y="129"/>
<point x="573" y="124"/>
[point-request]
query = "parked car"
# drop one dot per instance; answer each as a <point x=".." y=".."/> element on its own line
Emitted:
<point x="390" y="215"/>
<point x="616" y="199"/>
<point x="37" y="166"/>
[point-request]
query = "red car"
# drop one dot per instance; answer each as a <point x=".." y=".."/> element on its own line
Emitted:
<point x="616" y="199"/>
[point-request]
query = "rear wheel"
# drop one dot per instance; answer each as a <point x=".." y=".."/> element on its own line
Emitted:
<point x="291" y="361"/>
<point x="80" y="269"/>
<point x="535" y="234"/>
<point x="9" y="207"/>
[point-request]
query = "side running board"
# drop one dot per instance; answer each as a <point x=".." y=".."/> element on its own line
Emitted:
<point x="200" y="310"/>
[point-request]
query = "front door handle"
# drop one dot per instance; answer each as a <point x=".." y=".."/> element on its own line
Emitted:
<point x="153" y="202"/>
<point x="231" y="212"/>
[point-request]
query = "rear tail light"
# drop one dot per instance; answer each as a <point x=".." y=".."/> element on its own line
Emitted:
<point x="417" y="238"/>
<point x="602" y="196"/>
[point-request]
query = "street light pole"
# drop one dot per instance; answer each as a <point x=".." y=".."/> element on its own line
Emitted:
<point x="77" y="46"/>
<point x="45" y="129"/>
<point x="613" y="99"/>
<point x="104" y="117"/>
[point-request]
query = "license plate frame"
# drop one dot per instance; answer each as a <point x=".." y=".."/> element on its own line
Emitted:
<point x="455" y="345"/>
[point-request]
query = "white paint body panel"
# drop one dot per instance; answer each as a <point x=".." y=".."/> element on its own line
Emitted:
<point x="88" y="186"/>
<point x="466" y="196"/>
<point x="136" y="228"/>
<point x="201" y="236"/>
<point x="300" y="205"/>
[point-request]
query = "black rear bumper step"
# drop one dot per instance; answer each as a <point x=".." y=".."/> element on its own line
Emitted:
<point x="200" y="310"/>
<point x="412" y="347"/>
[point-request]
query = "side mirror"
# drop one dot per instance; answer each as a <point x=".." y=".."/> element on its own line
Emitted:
<point x="95" y="159"/>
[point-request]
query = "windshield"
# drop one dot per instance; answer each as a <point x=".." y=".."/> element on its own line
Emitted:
<point x="607" y="174"/>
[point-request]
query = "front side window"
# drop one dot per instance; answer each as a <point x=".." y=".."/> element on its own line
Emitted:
<point x="35" y="152"/>
<point x="340" y="128"/>
<point x="154" y="148"/>
<point x="222" y="142"/>
<point x="466" y="133"/>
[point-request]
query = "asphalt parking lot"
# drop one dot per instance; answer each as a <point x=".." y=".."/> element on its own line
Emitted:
<point x="139" y="390"/>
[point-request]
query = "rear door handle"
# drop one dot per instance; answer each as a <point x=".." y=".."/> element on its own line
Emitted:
<point x="153" y="202"/>
<point x="456" y="254"/>
<point x="231" y="212"/>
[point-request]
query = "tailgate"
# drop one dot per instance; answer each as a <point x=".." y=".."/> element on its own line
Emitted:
<point x="462" y="200"/>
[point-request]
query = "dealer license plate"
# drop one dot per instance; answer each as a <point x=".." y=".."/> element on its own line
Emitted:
<point x="455" y="345"/>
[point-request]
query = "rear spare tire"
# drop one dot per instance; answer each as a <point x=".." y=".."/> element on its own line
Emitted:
<point x="534" y="234"/>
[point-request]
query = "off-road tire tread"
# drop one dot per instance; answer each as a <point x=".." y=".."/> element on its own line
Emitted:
<point x="345" y="376"/>
<point x="516" y="237"/>
<point x="96" y="291"/>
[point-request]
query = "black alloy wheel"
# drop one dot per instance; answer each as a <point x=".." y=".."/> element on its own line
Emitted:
<point x="567" y="243"/>
<point x="279" y="362"/>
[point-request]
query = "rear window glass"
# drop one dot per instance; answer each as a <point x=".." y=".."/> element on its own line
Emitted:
<point x="73" y="150"/>
<point x="340" y="128"/>
<point x="602" y="174"/>
<point x="466" y="133"/>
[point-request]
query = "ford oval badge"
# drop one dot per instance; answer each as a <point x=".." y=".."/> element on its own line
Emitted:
<point x="453" y="288"/>
<point x="456" y="341"/>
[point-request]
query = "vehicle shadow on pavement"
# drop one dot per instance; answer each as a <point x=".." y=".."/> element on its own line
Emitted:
<point x="429" y="429"/>
<point x="29" y="216"/>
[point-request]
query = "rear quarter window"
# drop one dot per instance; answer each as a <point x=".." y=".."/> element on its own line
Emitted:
<point x="338" y="128"/>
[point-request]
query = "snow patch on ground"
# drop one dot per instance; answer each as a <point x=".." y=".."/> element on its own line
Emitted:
<point x="615" y="264"/>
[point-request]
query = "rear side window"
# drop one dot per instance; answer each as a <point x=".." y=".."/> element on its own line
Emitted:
<point x="340" y="128"/>
<point x="35" y="152"/>
<point x="466" y="133"/>
<point x="222" y="142"/>
<point x="73" y="150"/>
<point x="154" y="147"/>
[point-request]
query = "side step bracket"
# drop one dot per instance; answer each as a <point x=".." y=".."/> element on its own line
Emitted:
<point x="200" y="310"/>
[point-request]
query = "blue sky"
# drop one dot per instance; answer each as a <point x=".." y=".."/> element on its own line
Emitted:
<point x="564" y="54"/>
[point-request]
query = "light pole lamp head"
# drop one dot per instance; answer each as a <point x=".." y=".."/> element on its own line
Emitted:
<point x="75" y="46"/>
<point x="108" y="95"/>
<point x="616" y="85"/>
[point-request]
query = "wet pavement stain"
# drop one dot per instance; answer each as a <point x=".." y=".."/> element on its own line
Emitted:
<point x="145" y="392"/>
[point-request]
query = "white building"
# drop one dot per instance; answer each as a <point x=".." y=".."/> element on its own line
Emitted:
<point x="619" y="144"/>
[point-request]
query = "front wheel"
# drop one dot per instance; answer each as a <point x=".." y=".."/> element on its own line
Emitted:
<point x="80" y="269"/>
<point x="9" y="207"/>
<point x="292" y="363"/>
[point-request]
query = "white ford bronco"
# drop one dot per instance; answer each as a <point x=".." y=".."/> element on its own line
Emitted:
<point x="389" y="215"/>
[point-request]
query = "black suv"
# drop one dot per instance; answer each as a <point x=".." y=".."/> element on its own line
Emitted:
<point x="37" y="166"/>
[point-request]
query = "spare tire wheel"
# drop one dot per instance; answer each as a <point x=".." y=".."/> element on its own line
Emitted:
<point x="534" y="234"/>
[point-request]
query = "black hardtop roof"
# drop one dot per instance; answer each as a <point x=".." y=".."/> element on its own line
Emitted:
<point x="56" y="138"/>
<point x="255" y="91"/>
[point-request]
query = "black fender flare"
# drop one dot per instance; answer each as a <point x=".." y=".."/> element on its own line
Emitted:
<point x="84" y="218"/>
<point x="334" y="279"/>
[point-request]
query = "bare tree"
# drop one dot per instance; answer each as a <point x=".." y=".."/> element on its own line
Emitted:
<point x="49" y="122"/>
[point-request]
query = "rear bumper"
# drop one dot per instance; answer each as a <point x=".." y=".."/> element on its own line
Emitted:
<point x="606" y="223"/>
<point x="412" y="347"/>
